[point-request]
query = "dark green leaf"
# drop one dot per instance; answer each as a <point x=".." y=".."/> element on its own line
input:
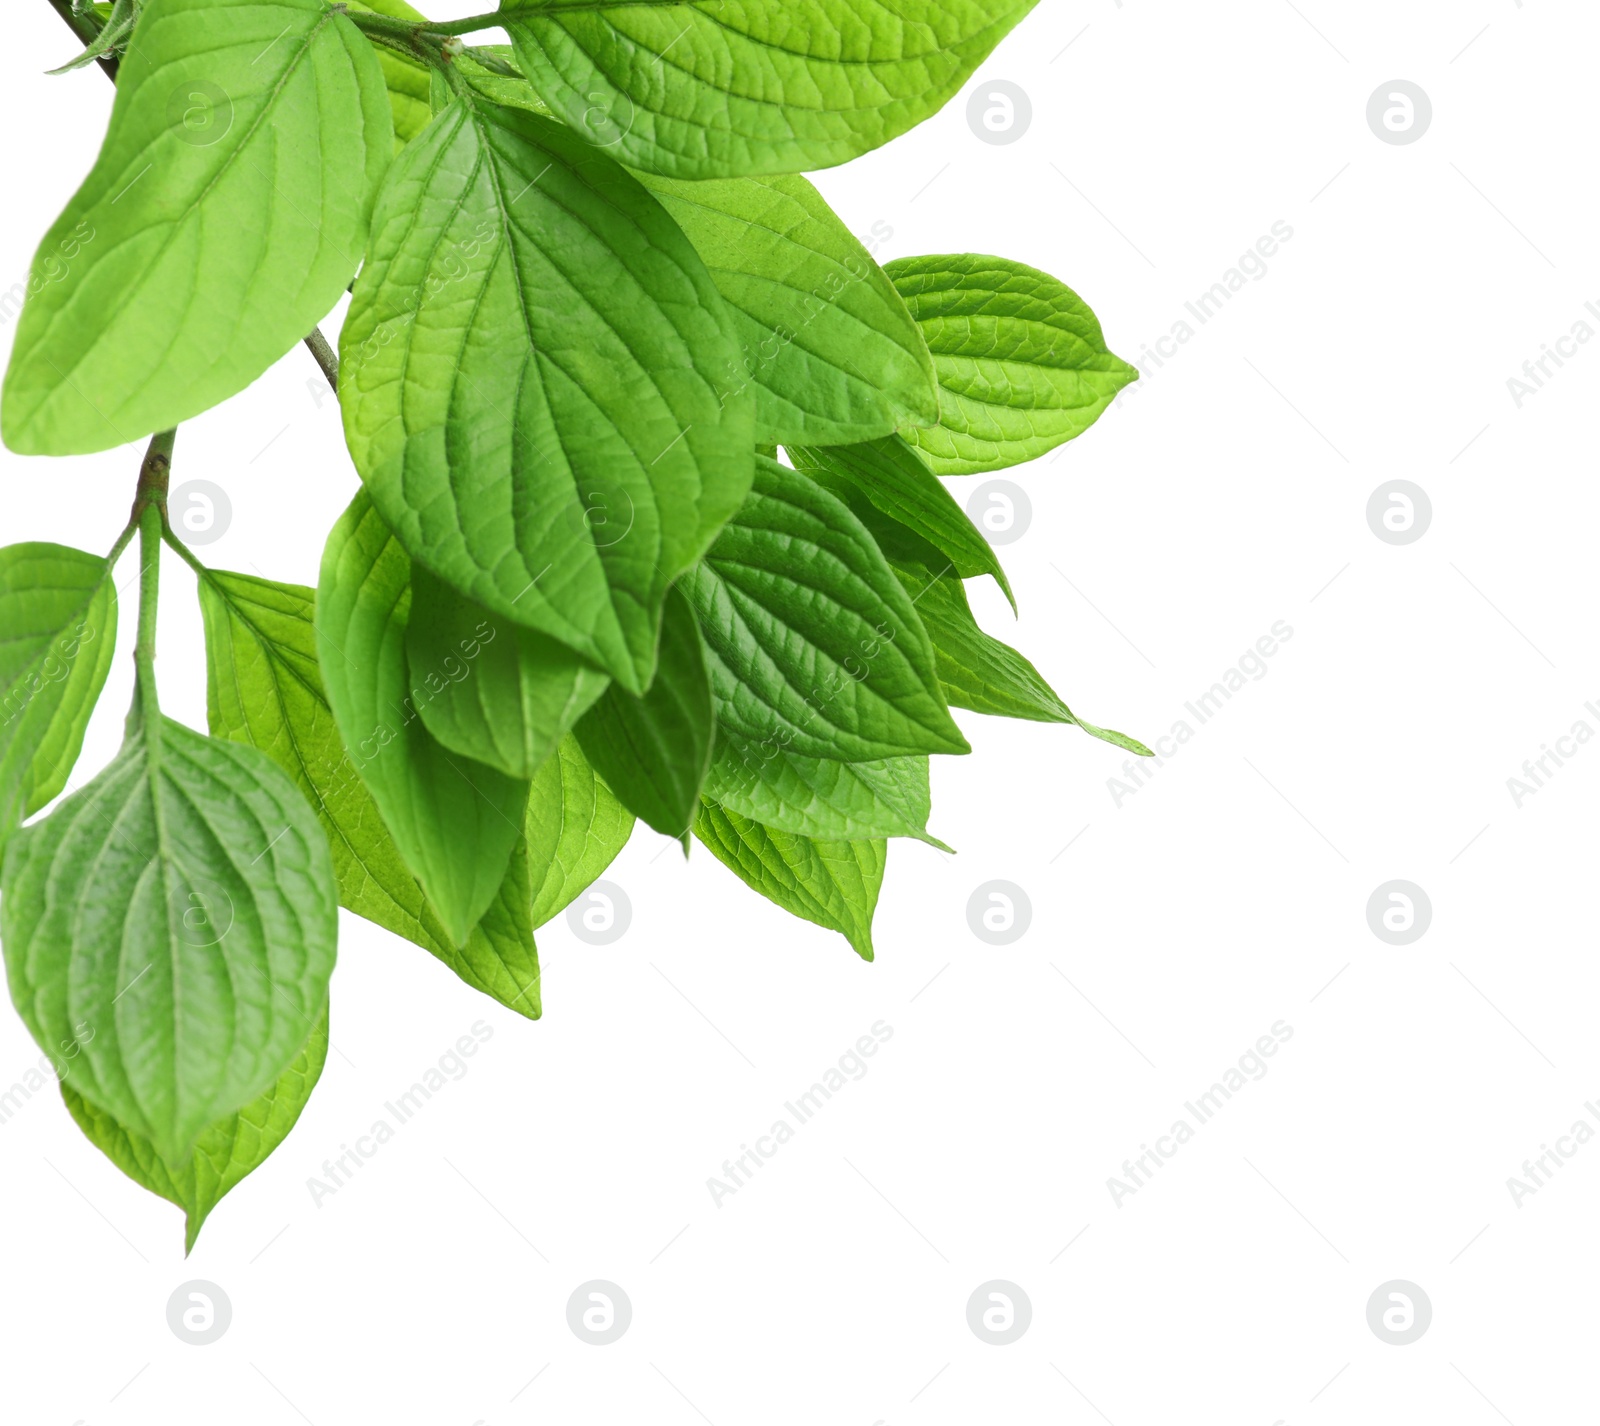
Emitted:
<point x="576" y="827"/>
<point x="263" y="687"/>
<point x="494" y="690"/>
<point x="224" y="1154"/>
<point x="58" y="631"/>
<point x="814" y="647"/>
<point x="818" y="797"/>
<point x="533" y="382"/>
<point x="169" y="932"/>
<point x="895" y="482"/>
<point x="1021" y="360"/>
<point x="834" y="884"/>
<point x="717" y="89"/>
<point x="828" y="345"/>
<point x="225" y="215"/>
<point x="653" y="751"/>
<point x="454" y="820"/>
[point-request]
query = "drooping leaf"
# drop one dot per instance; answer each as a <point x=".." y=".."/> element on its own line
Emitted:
<point x="264" y="687"/>
<point x="720" y="88"/>
<point x="576" y="827"/>
<point x="175" y="920"/>
<point x="653" y="750"/>
<point x="454" y="820"/>
<point x="828" y="346"/>
<point x="895" y="482"/>
<point x="58" y="632"/>
<point x="224" y="1154"/>
<point x="821" y="798"/>
<point x="833" y="884"/>
<point x="979" y="672"/>
<point x="1021" y="360"/>
<point x="489" y="688"/>
<point x="533" y="381"/>
<point x="225" y="215"/>
<point x="814" y="646"/>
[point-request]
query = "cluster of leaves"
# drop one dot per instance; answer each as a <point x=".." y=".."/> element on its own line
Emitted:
<point x="592" y="299"/>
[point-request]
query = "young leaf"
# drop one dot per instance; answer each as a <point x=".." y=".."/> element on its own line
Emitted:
<point x="175" y="921"/>
<point x="113" y="36"/>
<point x="834" y="884"/>
<point x="454" y="820"/>
<point x="653" y="751"/>
<point x="58" y="631"/>
<point x="576" y="827"/>
<point x="753" y="88"/>
<point x="828" y="345"/>
<point x="1021" y="361"/>
<point x="817" y="797"/>
<point x="494" y="691"/>
<point x="532" y="381"/>
<point x="224" y="216"/>
<point x="224" y="1154"/>
<point x="894" y="481"/>
<point x="814" y="646"/>
<point x="263" y="687"/>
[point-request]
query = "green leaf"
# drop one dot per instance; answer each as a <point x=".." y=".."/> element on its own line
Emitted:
<point x="828" y="344"/>
<point x="817" y="797"/>
<point x="576" y="827"/>
<point x="264" y="688"/>
<point x="1021" y="361"/>
<point x="714" y="90"/>
<point x="533" y="382"/>
<point x="895" y="482"/>
<point x="833" y="884"/>
<point x="225" y="215"/>
<point x="653" y="751"/>
<point x="224" y="1154"/>
<point x="814" y="646"/>
<point x="454" y="820"/>
<point x="113" y="36"/>
<point x="175" y="921"/>
<point x="977" y="671"/>
<point x="488" y="688"/>
<point x="58" y="632"/>
<point x="406" y="77"/>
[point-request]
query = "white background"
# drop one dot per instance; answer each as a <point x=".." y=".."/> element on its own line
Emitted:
<point x="1225" y="494"/>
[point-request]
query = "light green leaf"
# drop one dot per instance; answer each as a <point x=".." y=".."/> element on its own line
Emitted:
<point x="833" y="884"/>
<point x="406" y="77"/>
<point x="814" y="646"/>
<point x="173" y="922"/>
<point x="727" y="87"/>
<point x="112" y="38"/>
<point x="895" y="482"/>
<point x="489" y="688"/>
<point x="828" y="345"/>
<point x="224" y="1154"/>
<point x="817" y="797"/>
<point x="533" y="381"/>
<point x="454" y="820"/>
<point x="225" y="215"/>
<point x="263" y="687"/>
<point x="1021" y="360"/>
<point x="576" y="827"/>
<point x="653" y="751"/>
<point x="58" y="632"/>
